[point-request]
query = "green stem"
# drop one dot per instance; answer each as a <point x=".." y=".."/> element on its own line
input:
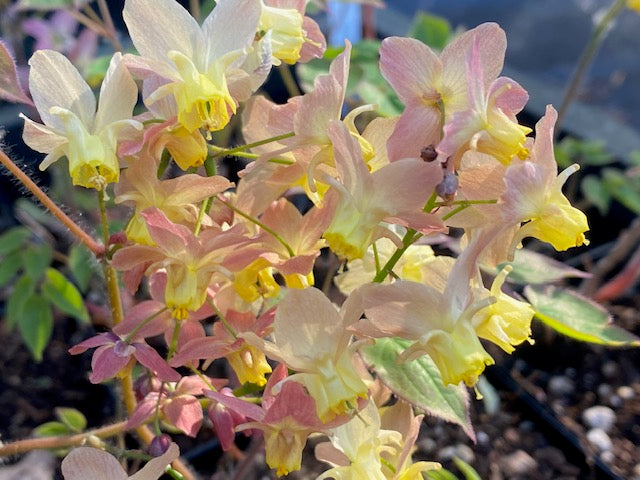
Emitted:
<point x="288" y="80"/>
<point x="598" y="34"/>
<point x="409" y="238"/>
<point x="211" y="168"/>
<point x="226" y="324"/>
<point x="203" y="377"/>
<point x="261" y="225"/>
<point x="143" y="323"/>
<point x="231" y="151"/>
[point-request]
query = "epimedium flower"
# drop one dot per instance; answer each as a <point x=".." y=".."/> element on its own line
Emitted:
<point x="72" y="125"/>
<point x="190" y="262"/>
<point x="286" y="418"/>
<point x="115" y="354"/>
<point x="411" y="266"/>
<point x="436" y="318"/>
<point x="247" y="361"/>
<point x="507" y="322"/>
<point x="196" y="62"/>
<point x="427" y="83"/>
<point x="488" y="124"/>
<point x="309" y="336"/>
<point x="176" y="197"/>
<point x="84" y="463"/>
<point x="534" y="195"/>
<point x="395" y="193"/>
<point x="293" y="37"/>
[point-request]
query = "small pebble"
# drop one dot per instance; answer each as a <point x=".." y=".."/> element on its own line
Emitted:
<point x="626" y="392"/>
<point x="599" y="439"/>
<point x="608" y="457"/>
<point x="615" y="401"/>
<point x="460" y="450"/>
<point x="427" y="444"/>
<point x="610" y="369"/>
<point x="482" y="438"/>
<point x="604" y="391"/>
<point x="560" y="385"/>
<point x="518" y="463"/>
<point x="527" y="426"/>
<point x="599" y="417"/>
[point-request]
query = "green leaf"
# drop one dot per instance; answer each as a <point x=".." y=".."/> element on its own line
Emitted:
<point x="64" y="295"/>
<point x="97" y="69"/>
<point x="9" y="267"/>
<point x="36" y="325"/>
<point x="534" y="268"/>
<point x="467" y="470"/>
<point x="22" y="291"/>
<point x="419" y="382"/>
<point x="36" y="259"/>
<point x="81" y="265"/>
<point x="440" y="474"/>
<point x="382" y="96"/>
<point x="624" y="189"/>
<point x="577" y="317"/>
<point x="431" y="30"/>
<point x="594" y="190"/>
<point x="72" y="418"/>
<point x="52" y="429"/>
<point x="45" y="5"/>
<point x="13" y="239"/>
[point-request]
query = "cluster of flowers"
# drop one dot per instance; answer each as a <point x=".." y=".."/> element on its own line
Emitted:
<point x="244" y="254"/>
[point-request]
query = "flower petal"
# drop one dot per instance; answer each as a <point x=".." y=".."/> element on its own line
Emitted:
<point x="159" y="26"/>
<point x="85" y="462"/>
<point x="55" y="82"/>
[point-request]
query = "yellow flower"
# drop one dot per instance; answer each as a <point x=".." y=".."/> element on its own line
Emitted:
<point x="73" y="127"/>
<point x="534" y="195"/>
<point x="197" y="62"/>
<point x="507" y="322"/>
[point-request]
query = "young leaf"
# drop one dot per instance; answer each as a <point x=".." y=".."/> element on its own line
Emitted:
<point x="440" y="474"/>
<point x="51" y="429"/>
<point x="13" y="239"/>
<point x="577" y="317"/>
<point x="534" y="268"/>
<point x="594" y="190"/>
<point x="431" y="30"/>
<point x="9" y="267"/>
<point x="36" y="325"/>
<point x="64" y="295"/>
<point x="36" y="259"/>
<point x="419" y="382"/>
<point x="467" y="470"/>
<point x="10" y="88"/>
<point x="45" y="5"/>
<point x="22" y="291"/>
<point x="72" y="418"/>
<point x="80" y="264"/>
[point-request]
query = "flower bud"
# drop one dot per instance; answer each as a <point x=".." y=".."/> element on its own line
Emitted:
<point x="159" y="445"/>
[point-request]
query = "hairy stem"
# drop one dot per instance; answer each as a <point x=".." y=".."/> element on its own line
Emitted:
<point x="60" y="441"/>
<point x="97" y="249"/>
